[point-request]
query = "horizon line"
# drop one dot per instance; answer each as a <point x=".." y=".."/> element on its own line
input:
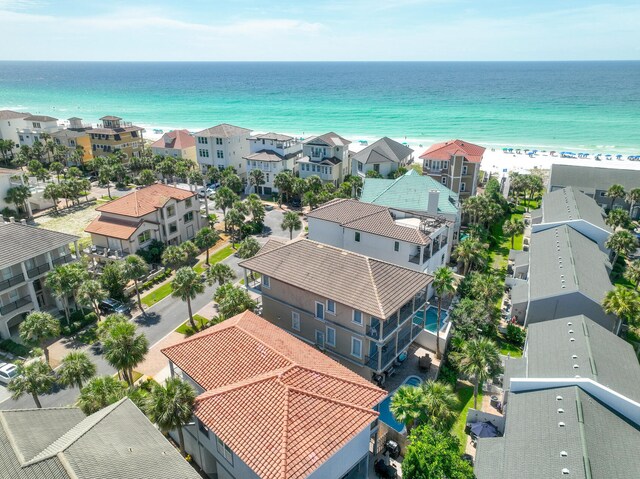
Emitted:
<point x="316" y="61"/>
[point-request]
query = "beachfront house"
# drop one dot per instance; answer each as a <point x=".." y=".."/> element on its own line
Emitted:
<point x="595" y="181"/>
<point x="116" y="135"/>
<point x="416" y="241"/>
<point x="326" y="156"/>
<point x="272" y="153"/>
<point x="175" y="144"/>
<point x="384" y="157"/>
<point x="34" y="126"/>
<point x="362" y="311"/>
<point x="455" y="164"/>
<point x="271" y="406"/>
<point x="129" y="223"/>
<point x="10" y="122"/>
<point x="74" y="140"/>
<point x="221" y="146"/>
<point x="27" y="254"/>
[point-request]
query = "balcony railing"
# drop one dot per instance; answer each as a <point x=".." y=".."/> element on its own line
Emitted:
<point x="62" y="259"/>
<point x="388" y="354"/>
<point x="373" y="330"/>
<point x="38" y="270"/>
<point x="415" y="258"/>
<point x="7" y="308"/>
<point x="372" y="361"/>
<point x="7" y="283"/>
<point x="404" y="337"/>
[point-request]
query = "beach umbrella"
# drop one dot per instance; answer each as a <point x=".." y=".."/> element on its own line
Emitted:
<point x="484" y="429"/>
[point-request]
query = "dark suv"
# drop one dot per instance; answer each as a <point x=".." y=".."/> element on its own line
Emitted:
<point x="110" y="305"/>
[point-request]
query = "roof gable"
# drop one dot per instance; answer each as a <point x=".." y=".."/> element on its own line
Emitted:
<point x="144" y="201"/>
<point x="447" y="149"/>
<point x="382" y="151"/>
<point x="568" y="204"/>
<point x="224" y="130"/>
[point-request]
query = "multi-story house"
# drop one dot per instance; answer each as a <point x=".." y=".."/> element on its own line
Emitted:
<point x="116" y="135"/>
<point x="129" y="223"/>
<point x="272" y="153"/>
<point x="362" y="311"/>
<point x="10" y="123"/>
<point x="33" y="126"/>
<point x="326" y="156"/>
<point x="455" y="164"/>
<point x="418" y="242"/>
<point x="384" y="157"/>
<point x="222" y="146"/>
<point x="270" y="406"/>
<point x="26" y="255"/>
<point x="176" y="144"/>
<point x="74" y="140"/>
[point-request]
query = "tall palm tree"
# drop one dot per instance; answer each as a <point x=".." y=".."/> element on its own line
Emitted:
<point x="256" y="179"/>
<point x="206" y="238"/>
<point x="37" y="328"/>
<point x="18" y="195"/>
<point x="255" y="208"/>
<point x="614" y="192"/>
<point x="512" y="228"/>
<point x="440" y="403"/>
<point x="53" y="192"/>
<point x="624" y="303"/>
<point x="92" y="292"/>
<point x="633" y="198"/>
<point x="135" y="268"/>
<point x="234" y="220"/>
<point x="408" y="405"/>
<point x="233" y="300"/>
<point x="480" y="359"/>
<point x="174" y="256"/>
<point x="632" y="273"/>
<point x="291" y="221"/>
<point x="618" y="218"/>
<point x="171" y="406"/>
<point x="57" y="282"/>
<point x="621" y="242"/>
<point x="444" y="285"/>
<point x="248" y="248"/>
<point x="470" y="252"/>
<point x="108" y="322"/>
<point x="76" y="368"/>
<point x="220" y="273"/>
<point x="283" y="181"/>
<point x="100" y="392"/>
<point x="186" y="285"/>
<point x="124" y="349"/>
<point x="34" y="378"/>
<point x="223" y="198"/>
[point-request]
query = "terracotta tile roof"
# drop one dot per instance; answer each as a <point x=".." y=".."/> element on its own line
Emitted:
<point x="282" y="406"/>
<point x="112" y="227"/>
<point x="224" y="130"/>
<point x="444" y="151"/>
<point x="176" y="139"/>
<point x="382" y="288"/>
<point x="144" y="201"/>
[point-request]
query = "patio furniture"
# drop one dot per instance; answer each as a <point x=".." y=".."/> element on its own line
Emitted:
<point x="384" y="470"/>
<point x="483" y="429"/>
<point x="424" y="363"/>
<point x="392" y="448"/>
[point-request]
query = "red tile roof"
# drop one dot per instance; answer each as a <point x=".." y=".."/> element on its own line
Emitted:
<point x="144" y="201"/>
<point x="282" y="406"/>
<point x="112" y="227"/>
<point x="444" y="151"/>
<point x="176" y="139"/>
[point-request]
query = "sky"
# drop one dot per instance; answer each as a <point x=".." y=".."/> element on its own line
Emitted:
<point x="319" y="30"/>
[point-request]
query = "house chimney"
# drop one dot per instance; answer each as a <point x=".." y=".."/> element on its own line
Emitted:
<point x="12" y="219"/>
<point x="432" y="207"/>
<point x="23" y="222"/>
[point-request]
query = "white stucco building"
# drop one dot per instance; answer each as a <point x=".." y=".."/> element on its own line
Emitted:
<point x="326" y="156"/>
<point x="222" y="146"/>
<point x="272" y="153"/>
<point x="34" y="126"/>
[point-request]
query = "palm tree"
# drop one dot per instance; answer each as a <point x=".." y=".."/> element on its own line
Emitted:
<point x="470" y="252"/>
<point x="76" y="368"/>
<point x="91" y="291"/>
<point x="633" y="198"/>
<point x="618" y="218"/>
<point x="135" y="268"/>
<point x="255" y="208"/>
<point x="35" y="378"/>
<point x="207" y="238"/>
<point x="105" y="175"/>
<point x="408" y="405"/>
<point x="223" y="198"/>
<point x="100" y="392"/>
<point x="171" y="406"/>
<point x="220" y="273"/>
<point x="147" y="177"/>
<point x="233" y="300"/>
<point x="248" y="248"/>
<point x="632" y="273"/>
<point x="57" y="282"/>
<point x="621" y="242"/>
<point x="173" y="256"/>
<point x="443" y="284"/>
<point x="234" y="220"/>
<point x="57" y="168"/>
<point x="614" y="192"/>
<point x="512" y="228"/>
<point x="291" y="221"/>
<point x="440" y="403"/>
<point x="283" y="181"/>
<point x="480" y="359"/>
<point x="53" y="192"/>
<point x="186" y="285"/>
<point x="37" y="328"/>
<point x="124" y="349"/>
<point x="624" y="303"/>
<point x="18" y="195"/>
<point x="256" y="179"/>
<point x="108" y="322"/>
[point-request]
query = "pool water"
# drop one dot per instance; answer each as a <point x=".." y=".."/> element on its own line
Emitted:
<point x="432" y="317"/>
<point x="386" y="416"/>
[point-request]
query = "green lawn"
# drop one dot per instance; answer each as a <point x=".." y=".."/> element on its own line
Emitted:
<point x="499" y="250"/>
<point x="509" y="349"/>
<point x="465" y="398"/>
<point x="215" y="258"/>
<point x="185" y="328"/>
<point x="157" y="295"/>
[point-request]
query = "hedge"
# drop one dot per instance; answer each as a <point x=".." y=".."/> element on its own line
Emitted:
<point x="14" y="348"/>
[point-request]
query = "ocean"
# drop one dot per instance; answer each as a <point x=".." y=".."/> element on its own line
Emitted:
<point x="561" y="105"/>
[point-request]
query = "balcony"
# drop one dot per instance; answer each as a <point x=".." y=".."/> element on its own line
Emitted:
<point x="7" y="283"/>
<point x="62" y="260"/>
<point x="404" y="336"/>
<point x="102" y="252"/>
<point x="389" y="353"/>
<point x="415" y="258"/>
<point x="8" y="308"/>
<point x="372" y="361"/>
<point x="38" y="270"/>
<point x="389" y="326"/>
<point x="373" y="330"/>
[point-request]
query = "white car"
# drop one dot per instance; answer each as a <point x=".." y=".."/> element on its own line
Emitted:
<point x="7" y="372"/>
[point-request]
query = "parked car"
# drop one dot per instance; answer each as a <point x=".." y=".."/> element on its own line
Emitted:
<point x="8" y="371"/>
<point x="296" y="203"/>
<point x="110" y="305"/>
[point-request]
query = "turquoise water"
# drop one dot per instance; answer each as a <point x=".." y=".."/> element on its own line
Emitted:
<point x="432" y="319"/>
<point x="385" y="412"/>
<point x="572" y="105"/>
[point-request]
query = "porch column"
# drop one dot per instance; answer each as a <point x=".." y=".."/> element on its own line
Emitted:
<point x="246" y="278"/>
<point x="49" y="260"/>
<point x="4" y="329"/>
<point x="34" y="298"/>
<point x="77" y="248"/>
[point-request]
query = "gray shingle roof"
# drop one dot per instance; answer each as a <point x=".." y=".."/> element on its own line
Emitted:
<point x="10" y="114"/>
<point x="369" y="285"/>
<point x="265" y="155"/>
<point x="567" y="204"/>
<point x="224" y="130"/>
<point x="382" y="151"/>
<point x="39" y="118"/>
<point x="272" y="136"/>
<point x="22" y="242"/>
<point x="593" y="178"/>
<point x="331" y="139"/>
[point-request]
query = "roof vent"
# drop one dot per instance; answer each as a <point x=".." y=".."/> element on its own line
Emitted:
<point x="575" y="366"/>
<point x="565" y="472"/>
<point x="561" y="424"/>
<point x="560" y="410"/>
<point x="558" y="398"/>
<point x="577" y="376"/>
<point x="571" y="331"/>
<point x="572" y="339"/>
<point x="563" y="453"/>
<point x="569" y="323"/>
<point x="575" y="356"/>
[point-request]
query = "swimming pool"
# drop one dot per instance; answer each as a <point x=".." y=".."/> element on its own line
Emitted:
<point x="432" y="316"/>
<point x="385" y="412"/>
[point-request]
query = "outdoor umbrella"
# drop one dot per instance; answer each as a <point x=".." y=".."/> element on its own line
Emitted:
<point x="484" y="429"/>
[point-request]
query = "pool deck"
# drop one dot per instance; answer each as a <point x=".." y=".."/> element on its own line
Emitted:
<point x="410" y="367"/>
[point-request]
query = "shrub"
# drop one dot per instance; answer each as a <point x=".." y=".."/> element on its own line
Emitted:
<point x="90" y="318"/>
<point x="447" y="374"/>
<point x="14" y="348"/>
<point x="152" y="254"/>
<point x="515" y="335"/>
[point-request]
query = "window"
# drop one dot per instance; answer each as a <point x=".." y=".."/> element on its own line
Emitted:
<point x="188" y="203"/>
<point x="266" y="177"/>
<point x="295" y="320"/>
<point x="144" y="237"/>
<point x="188" y="217"/>
<point x="359" y="166"/>
<point x="36" y="125"/>
<point x="602" y="193"/>
<point x="266" y="281"/>
<point x="203" y="153"/>
<point x="224" y="450"/>
<point x="319" y="310"/>
<point x="320" y="339"/>
<point x="331" y="336"/>
<point x="357" y="316"/>
<point x="357" y="237"/>
<point x="173" y="227"/>
<point x="204" y="430"/>
<point x="464" y="170"/>
<point x="463" y="187"/>
<point x="331" y="306"/>
<point x="203" y="141"/>
<point x="444" y="180"/>
<point x="356" y="347"/>
<point x="396" y="246"/>
<point x="219" y="154"/>
<point x="219" y="141"/>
